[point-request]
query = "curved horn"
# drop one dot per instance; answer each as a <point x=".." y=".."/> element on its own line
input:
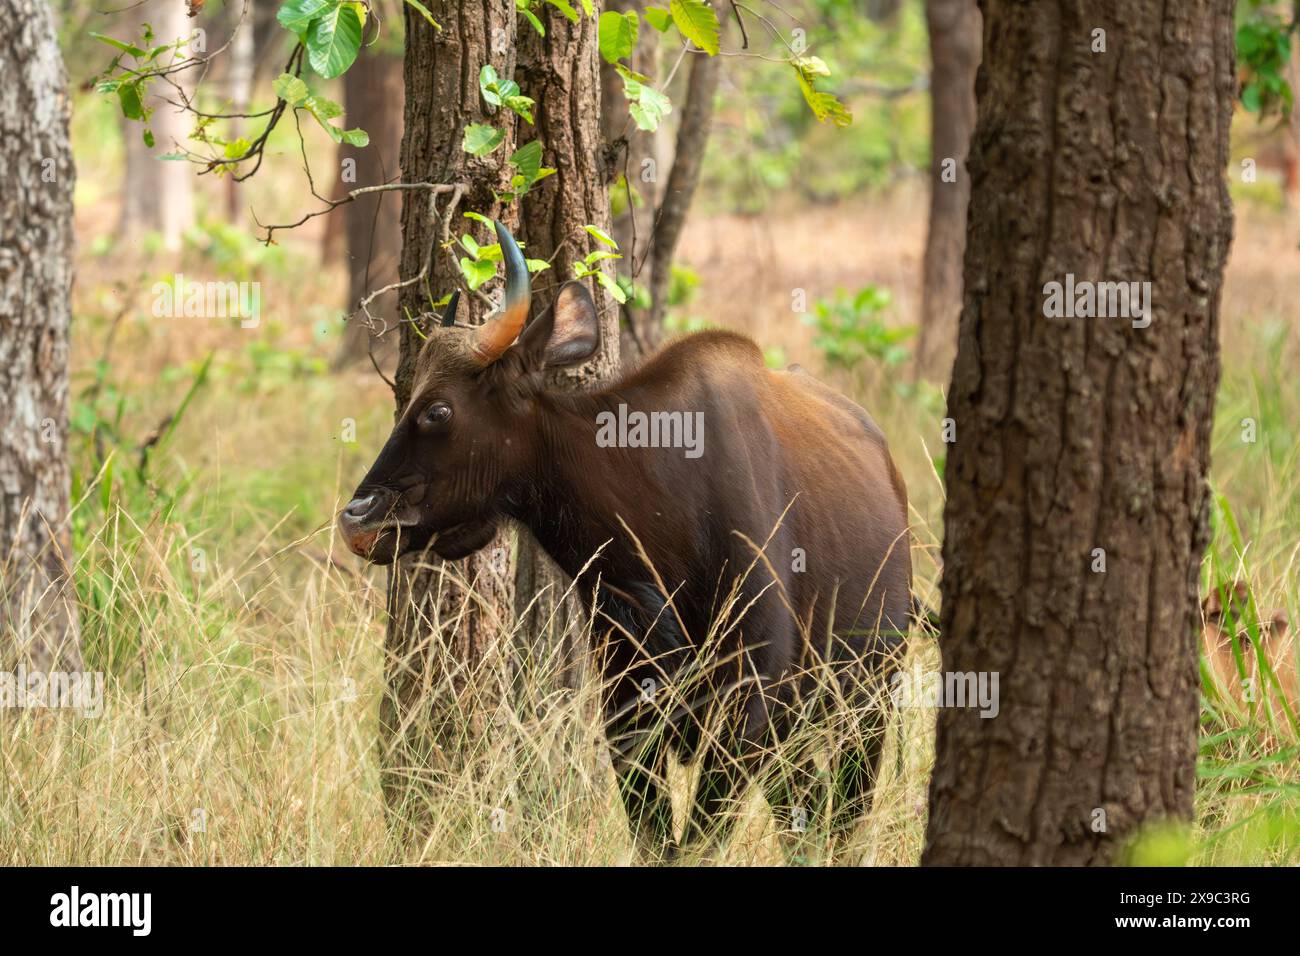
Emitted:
<point x="497" y="334"/>
<point x="449" y="316"/>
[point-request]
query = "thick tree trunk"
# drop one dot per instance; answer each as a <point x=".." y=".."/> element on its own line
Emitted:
<point x="955" y="55"/>
<point x="38" y="620"/>
<point x="159" y="196"/>
<point x="371" y="226"/>
<point x="561" y="73"/>
<point x="446" y="620"/>
<point x="1082" y="440"/>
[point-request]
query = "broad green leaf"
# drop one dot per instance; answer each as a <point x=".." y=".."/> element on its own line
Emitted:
<point x="588" y="8"/>
<point x="477" y="271"/>
<point x="147" y="136"/>
<point x="333" y="40"/>
<point x="479" y="217"/>
<point x="658" y="17"/>
<point x="528" y="160"/>
<point x="291" y="89"/>
<point x="522" y="105"/>
<point x="649" y="108"/>
<point x="600" y="234"/>
<point x="618" y="33"/>
<point x="481" y="139"/>
<point x="356" y="137"/>
<point x="698" y="23"/>
<point x="424" y="12"/>
<point x="322" y="108"/>
<point x="296" y="15"/>
<point x="537" y="265"/>
<point x="129" y="96"/>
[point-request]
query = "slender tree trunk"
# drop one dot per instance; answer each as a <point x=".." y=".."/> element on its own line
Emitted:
<point x="1083" y="440"/>
<point x="688" y="163"/>
<point x="639" y="154"/>
<point x="371" y="226"/>
<point x="159" y="196"/>
<point x="38" y="619"/>
<point x="561" y="73"/>
<point x="955" y="55"/>
<point x="239" y="86"/>
<point x="446" y="620"/>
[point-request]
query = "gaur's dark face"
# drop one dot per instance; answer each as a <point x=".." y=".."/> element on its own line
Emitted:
<point x="468" y="433"/>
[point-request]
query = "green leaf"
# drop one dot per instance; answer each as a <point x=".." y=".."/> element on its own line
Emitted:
<point x="601" y="235"/>
<point x="537" y="24"/>
<point x="825" y="106"/>
<point x="297" y="15"/>
<point x="698" y="23"/>
<point x="537" y="265"/>
<point x="147" y="136"/>
<point x="528" y="160"/>
<point x="356" y="137"/>
<point x="613" y="288"/>
<point x="333" y="40"/>
<point x="618" y="33"/>
<point x="477" y="271"/>
<point x="522" y="105"/>
<point x="131" y="48"/>
<point x="647" y="105"/>
<point x="291" y="89"/>
<point x="478" y="217"/>
<point x="424" y="12"/>
<point x="588" y="8"/>
<point x="566" y="8"/>
<point x="658" y="17"/>
<point x="129" y="96"/>
<point x="481" y="139"/>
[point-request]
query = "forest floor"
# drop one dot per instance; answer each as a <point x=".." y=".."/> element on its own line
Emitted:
<point x="242" y="645"/>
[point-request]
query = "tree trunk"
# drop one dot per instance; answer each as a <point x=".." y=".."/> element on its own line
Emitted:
<point x="38" y="619"/>
<point x="955" y="55"/>
<point x="688" y="164"/>
<point x="639" y="154"/>
<point x="1083" y="440"/>
<point x="445" y="619"/>
<point x="159" y="196"/>
<point x="561" y="73"/>
<point x="372" y="97"/>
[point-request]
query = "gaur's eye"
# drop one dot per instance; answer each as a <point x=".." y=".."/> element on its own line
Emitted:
<point x="436" y="414"/>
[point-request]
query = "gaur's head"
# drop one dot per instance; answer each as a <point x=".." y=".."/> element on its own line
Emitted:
<point x="470" y="432"/>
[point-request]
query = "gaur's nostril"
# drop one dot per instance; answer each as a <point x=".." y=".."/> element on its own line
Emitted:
<point x="360" y="507"/>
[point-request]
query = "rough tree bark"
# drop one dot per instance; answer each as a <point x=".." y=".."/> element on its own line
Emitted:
<point x="954" y="27"/>
<point x="38" y="620"/>
<point x="1077" y="434"/>
<point x="159" y="196"/>
<point x="561" y="73"/>
<point x="439" y="634"/>
<point x="371" y="225"/>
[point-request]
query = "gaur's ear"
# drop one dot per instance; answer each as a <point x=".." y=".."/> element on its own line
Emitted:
<point x="565" y="334"/>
